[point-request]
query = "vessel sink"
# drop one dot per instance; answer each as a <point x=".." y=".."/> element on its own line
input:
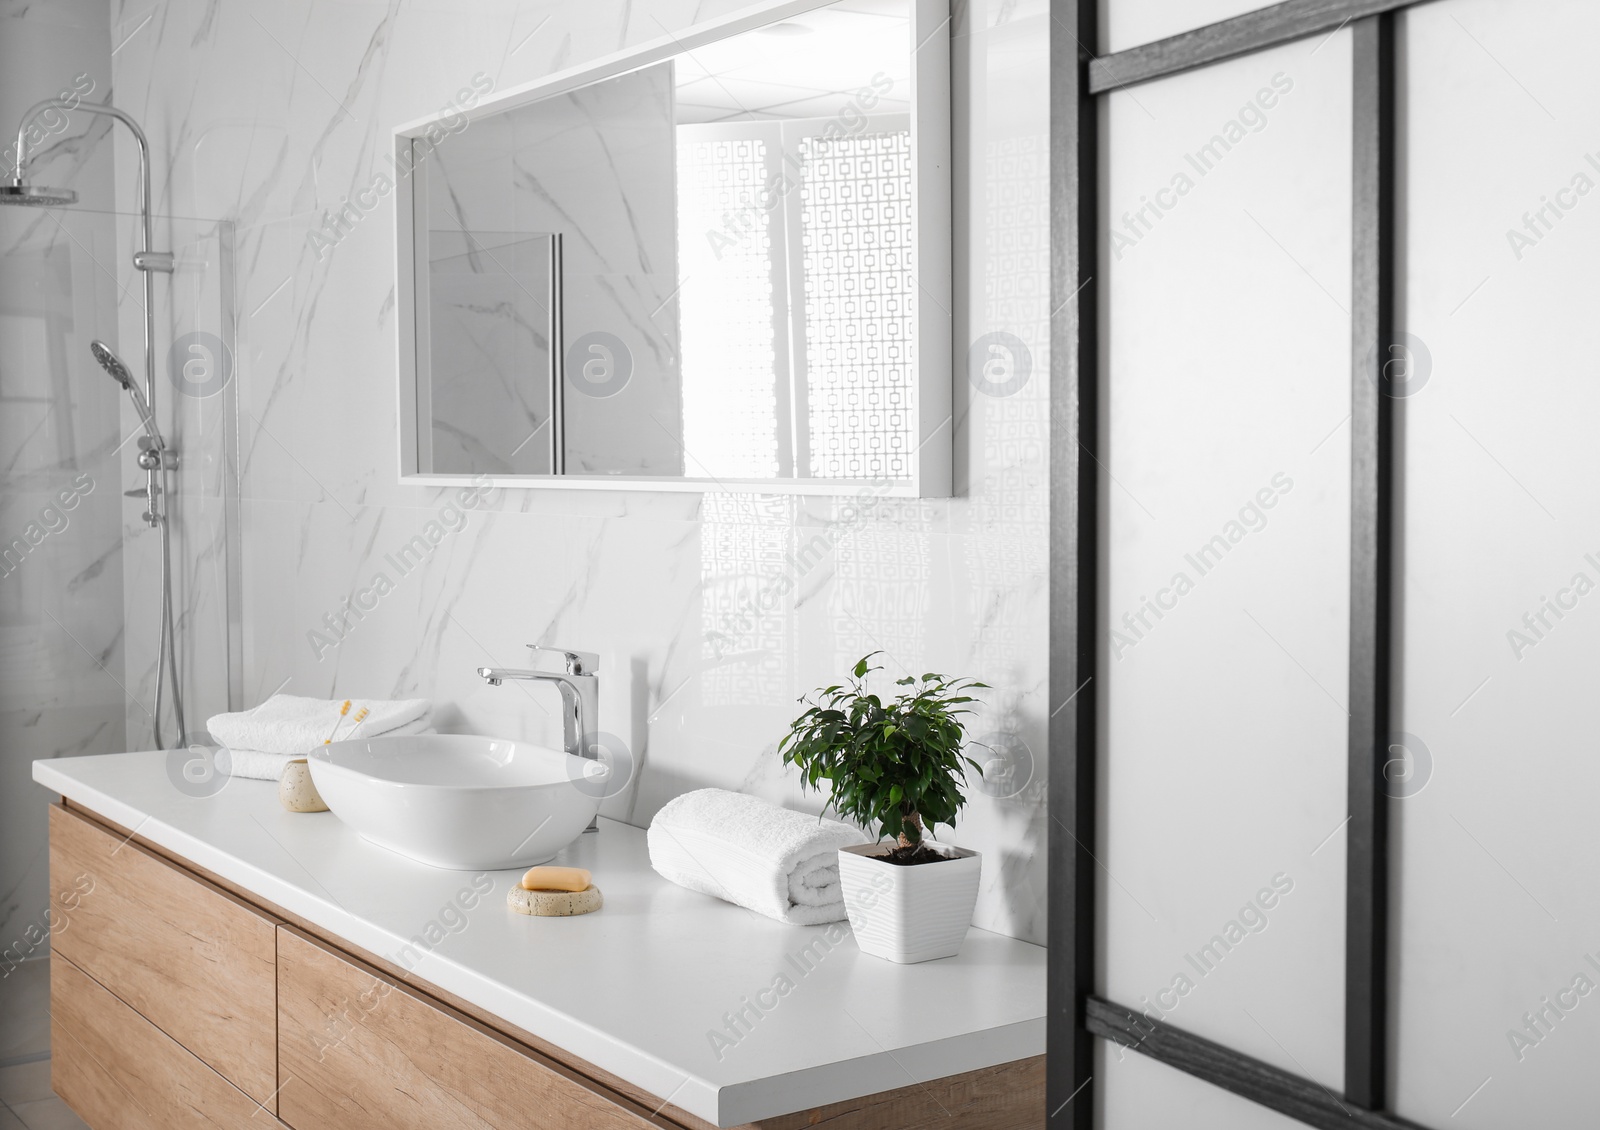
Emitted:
<point x="460" y="802"/>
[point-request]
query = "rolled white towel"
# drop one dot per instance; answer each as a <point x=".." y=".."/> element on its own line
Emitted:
<point x="817" y="886"/>
<point x="289" y="724"/>
<point x="771" y="860"/>
<point x="263" y="766"/>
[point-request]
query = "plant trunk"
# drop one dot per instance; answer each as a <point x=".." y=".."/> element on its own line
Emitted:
<point x="911" y="830"/>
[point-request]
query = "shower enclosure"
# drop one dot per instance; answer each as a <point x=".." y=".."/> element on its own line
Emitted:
<point x="80" y="567"/>
<point x="156" y="457"/>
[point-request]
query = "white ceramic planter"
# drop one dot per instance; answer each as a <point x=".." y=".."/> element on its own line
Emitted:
<point x="909" y="914"/>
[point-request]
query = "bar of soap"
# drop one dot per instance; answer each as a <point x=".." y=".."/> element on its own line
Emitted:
<point x="556" y="879"/>
<point x="554" y="904"/>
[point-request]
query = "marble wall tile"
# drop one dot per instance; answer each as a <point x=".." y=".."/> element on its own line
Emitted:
<point x="712" y="613"/>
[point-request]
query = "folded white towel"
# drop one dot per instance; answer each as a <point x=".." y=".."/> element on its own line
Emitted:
<point x="287" y="724"/>
<point x="772" y="860"/>
<point x="262" y="766"/>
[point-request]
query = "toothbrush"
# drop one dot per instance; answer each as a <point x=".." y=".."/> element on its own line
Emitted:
<point x="343" y="710"/>
<point x="361" y="716"/>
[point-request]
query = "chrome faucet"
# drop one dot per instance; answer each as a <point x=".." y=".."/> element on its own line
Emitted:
<point x="580" y="697"/>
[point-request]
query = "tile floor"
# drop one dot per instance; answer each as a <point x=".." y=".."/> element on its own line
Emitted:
<point x="26" y="1101"/>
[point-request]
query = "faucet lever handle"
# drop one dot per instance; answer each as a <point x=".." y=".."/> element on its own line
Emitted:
<point x="578" y="662"/>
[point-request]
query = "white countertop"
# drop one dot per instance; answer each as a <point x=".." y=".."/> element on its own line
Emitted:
<point x="634" y="989"/>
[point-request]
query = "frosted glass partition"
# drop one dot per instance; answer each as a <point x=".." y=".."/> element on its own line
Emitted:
<point x="1227" y="551"/>
<point x="1496" y="870"/>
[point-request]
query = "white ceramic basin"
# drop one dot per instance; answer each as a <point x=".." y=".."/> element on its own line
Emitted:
<point x="460" y="802"/>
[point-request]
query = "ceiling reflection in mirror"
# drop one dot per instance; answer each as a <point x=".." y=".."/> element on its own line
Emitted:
<point x="699" y="268"/>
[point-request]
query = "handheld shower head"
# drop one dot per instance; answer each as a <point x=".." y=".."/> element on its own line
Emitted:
<point x="113" y="365"/>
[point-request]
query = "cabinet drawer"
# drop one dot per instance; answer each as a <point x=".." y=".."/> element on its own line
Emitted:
<point x="193" y="960"/>
<point x="359" y="1051"/>
<point x="120" y="1072"/>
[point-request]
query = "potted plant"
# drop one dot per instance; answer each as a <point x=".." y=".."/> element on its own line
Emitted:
<point x="896" y="766"/>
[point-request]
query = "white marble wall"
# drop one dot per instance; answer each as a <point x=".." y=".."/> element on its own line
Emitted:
<point x="272" y="115"/>
<point x="61" y="622"/>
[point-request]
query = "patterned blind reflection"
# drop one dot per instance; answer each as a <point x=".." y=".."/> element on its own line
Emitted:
<point x="795" y="251"/>
<point x="856" y="234"/>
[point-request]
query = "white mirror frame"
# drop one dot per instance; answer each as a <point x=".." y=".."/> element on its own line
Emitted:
<point x="931" y="262"/>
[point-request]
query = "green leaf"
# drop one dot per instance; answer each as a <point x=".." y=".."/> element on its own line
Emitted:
<point x="883" y="761"/>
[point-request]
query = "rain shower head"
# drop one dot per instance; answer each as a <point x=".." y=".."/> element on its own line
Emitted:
<point x="112" y="364"/>
<point x="18" y="192"/>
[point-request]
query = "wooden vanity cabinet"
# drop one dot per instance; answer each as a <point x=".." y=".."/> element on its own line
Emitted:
<point x="121" y="1072"/>
<point x="360" y="1051"/>
<point x="177" y="1003"/>
<point x="195" y="962"/>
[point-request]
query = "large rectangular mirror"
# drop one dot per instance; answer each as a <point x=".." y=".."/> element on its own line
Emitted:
<point x="719" y="261"/>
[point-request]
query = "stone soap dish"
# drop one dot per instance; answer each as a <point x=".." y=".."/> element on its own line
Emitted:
<point x="296" y="791"/>
<point x="554" y="904"/>
<point x="554" y="892"/>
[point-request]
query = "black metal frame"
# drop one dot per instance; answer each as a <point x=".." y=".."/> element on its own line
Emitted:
<point x="1371" y="493"/>
<point x="1075" y="1015"/>
<point x="1074" y="575"/>
<point x="1242" y="35"/>
<point x="1282" y="1091"/>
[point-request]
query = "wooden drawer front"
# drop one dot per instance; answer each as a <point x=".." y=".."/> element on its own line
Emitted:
<point x="120" y="1072"/>
<point x="357" y="1050"/>
<point x="193" y="960"/>
<point x="1008" y="1097"/>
